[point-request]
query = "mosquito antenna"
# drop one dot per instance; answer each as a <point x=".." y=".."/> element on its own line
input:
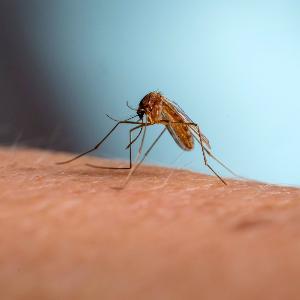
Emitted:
<point x="127" y="104"/>
<point x="132" y="117"/>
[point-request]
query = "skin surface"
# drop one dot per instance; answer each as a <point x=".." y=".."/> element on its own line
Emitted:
<point x="65" y="233"/>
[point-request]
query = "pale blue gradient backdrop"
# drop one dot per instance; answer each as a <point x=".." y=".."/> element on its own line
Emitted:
<point x="233" y="66"/>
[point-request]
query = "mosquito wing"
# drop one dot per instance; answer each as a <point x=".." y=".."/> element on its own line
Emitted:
<point x="172" y="109"/>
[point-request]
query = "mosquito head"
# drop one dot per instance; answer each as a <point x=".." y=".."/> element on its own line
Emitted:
<point x="151" y="105"/>
<point x="140" y="112"/>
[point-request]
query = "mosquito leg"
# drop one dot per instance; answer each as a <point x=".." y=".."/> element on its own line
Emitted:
<point x="204" y="156"/>
<point x="204" y="150"/>
<point x="134" y="140"/>
<point x="221" y="163"/>
<point x="98" y="145"/>
<point x="210" y="153"/>
<point x="130" y="155"/>
<point x="141" y="145"/>
<point x="191" y="125"/>
<point x="143" y="158"/>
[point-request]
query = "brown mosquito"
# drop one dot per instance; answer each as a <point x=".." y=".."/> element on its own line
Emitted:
<point x="153" y="109"/>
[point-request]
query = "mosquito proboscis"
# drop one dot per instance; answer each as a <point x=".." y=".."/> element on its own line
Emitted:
<point x="155" y="108"/>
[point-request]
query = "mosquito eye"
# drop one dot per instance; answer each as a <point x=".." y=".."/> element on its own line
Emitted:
<point x="141" y="113"/>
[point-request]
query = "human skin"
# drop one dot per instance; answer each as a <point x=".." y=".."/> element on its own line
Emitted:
<point x="67" y="233"/>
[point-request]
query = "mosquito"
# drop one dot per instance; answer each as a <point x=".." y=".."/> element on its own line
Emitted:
<point x="155" y="108"/>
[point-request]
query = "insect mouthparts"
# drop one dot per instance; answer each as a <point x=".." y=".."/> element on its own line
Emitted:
<point x="140" y="113"/>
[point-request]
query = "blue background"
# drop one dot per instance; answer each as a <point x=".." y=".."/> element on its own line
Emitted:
<point x="233" y="66"/>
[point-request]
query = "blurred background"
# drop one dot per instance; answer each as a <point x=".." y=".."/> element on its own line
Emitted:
<point x="233" y="66"/>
